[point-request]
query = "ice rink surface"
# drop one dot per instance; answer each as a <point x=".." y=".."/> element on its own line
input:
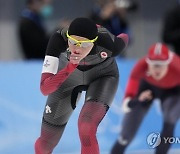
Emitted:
<point x="22" y="105"/>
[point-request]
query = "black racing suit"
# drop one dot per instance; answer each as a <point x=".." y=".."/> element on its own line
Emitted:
<point x="95" y="74"/>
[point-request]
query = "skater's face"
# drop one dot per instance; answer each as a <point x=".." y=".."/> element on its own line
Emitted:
<point x="157" y="71"/>
<point x="80" y="45"/>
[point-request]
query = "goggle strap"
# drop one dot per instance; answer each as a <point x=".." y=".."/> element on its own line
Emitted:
<point x="92" y="41"/>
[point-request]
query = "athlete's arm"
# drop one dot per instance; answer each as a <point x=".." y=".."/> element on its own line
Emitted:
<point x="133" y="91"/>
<point x="115" y="44"/>
<point x="175" y="65"/>
<point x="129" y="100"/>
<point x="51" y="80"/>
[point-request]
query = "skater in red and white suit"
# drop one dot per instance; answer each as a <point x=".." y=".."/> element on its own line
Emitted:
<point x="155" y="76"/>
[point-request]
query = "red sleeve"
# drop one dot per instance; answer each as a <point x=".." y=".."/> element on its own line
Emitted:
<point x="175" y="69"/>
<point x="135" y="77"/>
<point x="132" y="87"/>
<point x="176" y="63"/>
<point x="51" y="82"/>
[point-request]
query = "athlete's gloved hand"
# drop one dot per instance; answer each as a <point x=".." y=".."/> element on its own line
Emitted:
<point x="128" y="104"/>
<point x="145" y="96"/>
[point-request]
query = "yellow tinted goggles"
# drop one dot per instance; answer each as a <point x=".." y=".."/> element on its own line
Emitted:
<point x="83" y="44"/>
